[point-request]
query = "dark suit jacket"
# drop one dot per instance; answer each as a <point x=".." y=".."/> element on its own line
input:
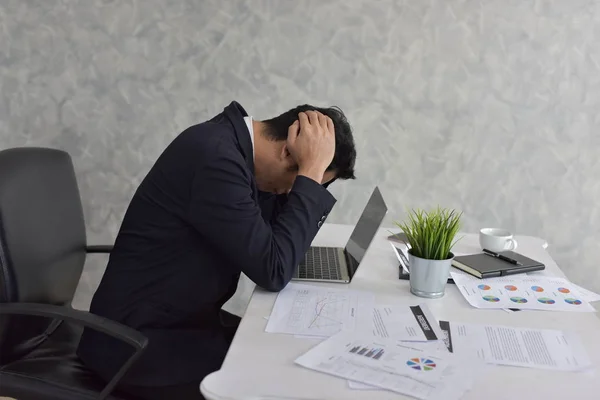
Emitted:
<point x="195" y="223"/>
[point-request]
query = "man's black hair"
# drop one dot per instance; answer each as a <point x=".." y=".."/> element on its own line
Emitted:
<point x="345" y="152"/>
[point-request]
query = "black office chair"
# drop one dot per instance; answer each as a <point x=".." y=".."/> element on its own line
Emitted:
<point x="42" y="253"/>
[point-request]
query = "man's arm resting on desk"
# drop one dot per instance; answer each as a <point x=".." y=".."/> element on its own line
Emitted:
<point x="224" y="212"/>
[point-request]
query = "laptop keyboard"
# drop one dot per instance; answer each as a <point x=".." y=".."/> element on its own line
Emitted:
<point x="320" y="263"/>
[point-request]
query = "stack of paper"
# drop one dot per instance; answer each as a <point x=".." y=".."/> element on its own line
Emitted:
<point x="520" y="347"/>
<point x="321" y="312"/>
<point x="407" y="350"/>
<point x="421" y="372"/>
<point x="523" y="292"/>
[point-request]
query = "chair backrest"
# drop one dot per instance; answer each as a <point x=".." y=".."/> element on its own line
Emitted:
<point x="42" y="240"/>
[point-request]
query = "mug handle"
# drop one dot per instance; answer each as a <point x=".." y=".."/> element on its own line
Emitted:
<point x="512" y="244"/>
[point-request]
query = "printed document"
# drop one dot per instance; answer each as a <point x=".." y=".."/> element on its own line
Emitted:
<point x="587" y="295"/>
<point x="320" y="311"/>
<point x="521" y="347"/>
<point x="392" y="365"/>
<point x="414" y="323"/>
<point x="526" y="293"/>
<point x="437" y="346"/>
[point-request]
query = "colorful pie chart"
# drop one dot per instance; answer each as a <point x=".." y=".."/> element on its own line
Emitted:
<point x="563" y="290"/>
<point x="546" y="300"/>
<point x="573" y="301"/>
<point x="537" y="288"/>
<point x="491" y="299"/>
<point x="484" y="287"/>
<point x="519" y="300"/>
<point x="510" y="288"/>
<point x="421" y="364"/>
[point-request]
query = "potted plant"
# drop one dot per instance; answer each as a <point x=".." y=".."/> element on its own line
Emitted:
<point x="430" y="237"/>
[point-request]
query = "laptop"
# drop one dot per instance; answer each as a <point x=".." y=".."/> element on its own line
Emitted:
<point x="336" y="264"/>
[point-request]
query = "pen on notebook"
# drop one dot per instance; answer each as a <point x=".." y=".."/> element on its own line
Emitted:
<point x="502" y="257"/>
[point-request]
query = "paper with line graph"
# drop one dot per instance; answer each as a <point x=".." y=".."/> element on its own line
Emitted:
<point x="320" y="311"/>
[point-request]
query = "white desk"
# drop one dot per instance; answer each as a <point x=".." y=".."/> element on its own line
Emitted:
<point x="261" y="365"/>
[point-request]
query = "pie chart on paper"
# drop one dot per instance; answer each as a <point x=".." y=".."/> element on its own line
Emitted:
<point x="573" y="301"/>
<point x="519" y="300"/>
<point x="421" y="364"/>
<point x="546" y="300"/>
<point x="491" y="299"/>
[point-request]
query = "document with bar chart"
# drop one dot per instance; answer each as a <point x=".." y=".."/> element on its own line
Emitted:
<point x="319" y="311"/>
<point x="407" y="368"/>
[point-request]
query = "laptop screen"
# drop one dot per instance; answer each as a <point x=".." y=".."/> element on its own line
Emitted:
<point x="365" y="229"/>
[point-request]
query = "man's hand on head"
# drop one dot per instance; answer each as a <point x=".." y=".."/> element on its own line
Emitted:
<point x="311" y="143"/>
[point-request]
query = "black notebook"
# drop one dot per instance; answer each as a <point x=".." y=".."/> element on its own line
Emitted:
<point x="485" y="266"/>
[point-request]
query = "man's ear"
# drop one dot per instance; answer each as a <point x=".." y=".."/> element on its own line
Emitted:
<point x="285" y="155"/>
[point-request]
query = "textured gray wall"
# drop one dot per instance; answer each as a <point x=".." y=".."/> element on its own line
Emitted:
<point x="491" y="107"/>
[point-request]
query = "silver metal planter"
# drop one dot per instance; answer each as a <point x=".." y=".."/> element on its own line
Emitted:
<point x="428" y="278"/>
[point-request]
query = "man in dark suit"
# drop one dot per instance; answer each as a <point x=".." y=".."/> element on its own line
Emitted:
<point x="229" y="195"/>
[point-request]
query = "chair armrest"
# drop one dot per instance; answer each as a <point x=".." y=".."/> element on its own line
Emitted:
<point x="96" y="322"/>
<point x="101" y="324"/>
<point x="100" y="248"/>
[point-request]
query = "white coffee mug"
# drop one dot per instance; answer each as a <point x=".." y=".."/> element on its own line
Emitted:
<point x="496" y="239"/>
